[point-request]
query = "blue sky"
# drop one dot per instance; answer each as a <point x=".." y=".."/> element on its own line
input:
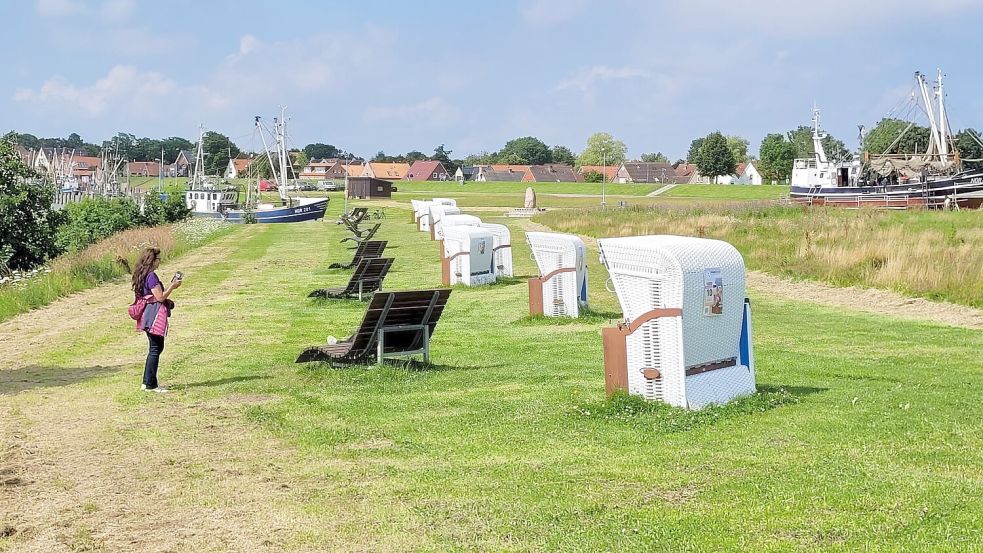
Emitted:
<point x="396" y="76"/>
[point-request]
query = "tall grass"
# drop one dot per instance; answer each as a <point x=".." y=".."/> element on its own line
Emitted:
<point x="937" y="255"/>
<point x="74" y="272"/>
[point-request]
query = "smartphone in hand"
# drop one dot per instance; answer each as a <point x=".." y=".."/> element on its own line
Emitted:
<point x="178" y="276"/>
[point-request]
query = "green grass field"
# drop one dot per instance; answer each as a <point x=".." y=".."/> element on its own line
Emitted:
<point x="727" y="192"/>
<point x="864" y="435"/>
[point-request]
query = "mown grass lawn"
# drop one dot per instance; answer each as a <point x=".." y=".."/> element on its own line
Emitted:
<point x="867" y="436"/>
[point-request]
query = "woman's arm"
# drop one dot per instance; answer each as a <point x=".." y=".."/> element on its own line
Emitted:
<point x="160" y="294"/>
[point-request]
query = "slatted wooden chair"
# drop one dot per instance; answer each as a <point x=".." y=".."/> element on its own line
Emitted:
<point x="395" y="324"/>
<point x="354" y="216"/>
<point x="368" y="249"/>
<point x="367" y="278"/>
<point x="368" y="235"/>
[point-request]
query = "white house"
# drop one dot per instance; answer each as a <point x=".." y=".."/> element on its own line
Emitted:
<point x="750" y="174"/>
<point x="237" y="168"/>
<point x="746" y="173"/>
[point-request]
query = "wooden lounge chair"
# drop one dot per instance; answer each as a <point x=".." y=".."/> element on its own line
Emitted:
<point x="353" y="228"/>
<point x="354" y="216"/>
<point x="367" y="278"/>
<point x="368" y="235"/>
<point x="395" y="324"/>
<point x="368" y="249"/>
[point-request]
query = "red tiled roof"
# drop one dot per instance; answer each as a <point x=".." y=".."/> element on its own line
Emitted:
<point x="424" y="169"/>
<point x="609" y="171"/>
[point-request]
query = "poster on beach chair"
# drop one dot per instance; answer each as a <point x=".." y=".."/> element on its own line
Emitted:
<point x="683" y="299"/>
<point x="502" y="250"/>
<point x="468" y="254"/>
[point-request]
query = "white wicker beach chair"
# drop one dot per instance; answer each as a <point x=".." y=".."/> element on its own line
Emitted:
<point x="467" y="256"/>
<point x="685" y="311"/>
<point x="502" y="249"/>
<point x="562" y="260"/>
<point x="437" y="213"/>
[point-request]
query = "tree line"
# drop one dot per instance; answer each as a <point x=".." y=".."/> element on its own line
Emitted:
<point x="715" y="154"/>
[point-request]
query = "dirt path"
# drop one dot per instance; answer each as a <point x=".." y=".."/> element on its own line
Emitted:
<point x="86" y="464"/>
<point x="867" y="300"/>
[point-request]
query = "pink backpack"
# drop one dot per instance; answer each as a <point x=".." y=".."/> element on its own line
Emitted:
<point x="137" y="307"/>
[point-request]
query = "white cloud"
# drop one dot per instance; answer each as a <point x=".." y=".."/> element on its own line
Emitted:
<point x="60" y="8"/>
<point x="432" y="112"/>
<point x="585" y="80"/>
<point x="781" y="17"/>
<point x="119" y="10"/>
<point x="247" y="44"/>
<point x="124" y="87"/>
<point x="552" y="12"/>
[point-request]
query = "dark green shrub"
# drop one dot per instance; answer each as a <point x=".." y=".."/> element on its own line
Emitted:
<point x="27" y="222"/>
<point x="93" y="219"/>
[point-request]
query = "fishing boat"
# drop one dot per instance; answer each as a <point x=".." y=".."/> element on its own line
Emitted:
<point x="207" y="197"/>
<point x="934" y="178"/>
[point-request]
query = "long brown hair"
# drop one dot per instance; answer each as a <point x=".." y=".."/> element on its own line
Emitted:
<point x="146" y="265"/>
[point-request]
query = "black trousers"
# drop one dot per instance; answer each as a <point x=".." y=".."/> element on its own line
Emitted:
<point x="153" y="360"/>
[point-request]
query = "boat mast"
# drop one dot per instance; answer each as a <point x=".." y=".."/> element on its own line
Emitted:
<point x="817" y="138"/>
<point x="197" y="178"/>
<point x="943" y="123"/>
<point x="933" y="142"/>
<point x="281" y="142"/>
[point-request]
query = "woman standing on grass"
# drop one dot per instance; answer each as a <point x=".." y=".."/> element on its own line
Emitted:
<point x="153" y="321"/>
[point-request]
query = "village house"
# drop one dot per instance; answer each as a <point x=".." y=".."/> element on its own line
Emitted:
<point x="183" y="165"/>
<point x="646" y="172"/>
<point x="144" y="169"/>
<point x="425" y="170"/>
<point x="501" y="173"/>
<point x="687" y="173"/>
<point x="237" y="168"/>
<point x="465" y="173"/>
<point x="317" y="169"/>
<point x="551" y="173"/>
<point x="386" y="171"/>
<point x="749" y="173"/>
<point x="26" y="156"/>
<point x="745" y="173"/>
<point x="608" y="172"/>
<point x="84" y="167"/>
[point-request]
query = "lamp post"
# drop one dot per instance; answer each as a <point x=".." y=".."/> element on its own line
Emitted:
<point x="604" y="176"/>
<point x="348" y="168"/>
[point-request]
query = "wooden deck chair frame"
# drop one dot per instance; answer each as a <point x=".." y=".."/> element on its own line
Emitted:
<point x="368" y="235"/>
<point x="367" y="278"/>
<point x="395" y="324"/>
<point x="354" y="216"/>
<point x="367" y="249"/>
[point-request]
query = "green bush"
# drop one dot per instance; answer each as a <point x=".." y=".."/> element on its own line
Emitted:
<point x="93" y="219"/>
<point x="159" y="212"/>
<point x="27" y="222"/>
<point x="593" y="176"/>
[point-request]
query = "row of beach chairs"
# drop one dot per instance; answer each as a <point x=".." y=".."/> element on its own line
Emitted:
<point x="395" y="323"/>
<point x="472" y="252"/>
<point x="352" y="220"/>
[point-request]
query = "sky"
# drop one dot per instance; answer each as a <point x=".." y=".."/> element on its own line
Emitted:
<point x="399" y="76"/>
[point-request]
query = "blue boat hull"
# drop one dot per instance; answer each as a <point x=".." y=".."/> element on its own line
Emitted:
<point x="308" y="212"/>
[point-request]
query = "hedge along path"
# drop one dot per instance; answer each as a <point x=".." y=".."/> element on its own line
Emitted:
<point x="866" y="300"/>
<point x="88" y="462"/>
